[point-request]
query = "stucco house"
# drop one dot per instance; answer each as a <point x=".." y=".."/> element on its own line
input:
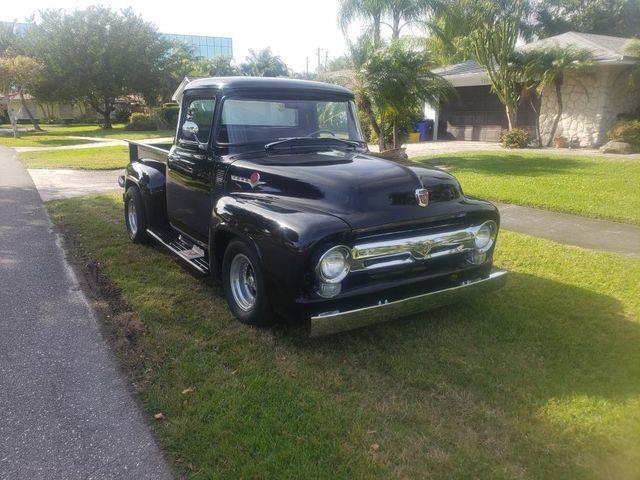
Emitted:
<point x="592" y="98"/>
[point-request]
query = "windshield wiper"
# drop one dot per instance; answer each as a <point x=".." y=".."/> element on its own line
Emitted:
<point x="311" y="142"/>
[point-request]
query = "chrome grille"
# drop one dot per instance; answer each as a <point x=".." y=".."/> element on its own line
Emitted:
<point x="372" y="255"/>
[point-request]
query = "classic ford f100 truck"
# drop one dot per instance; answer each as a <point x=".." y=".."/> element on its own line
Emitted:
<point x="269" y="188"/>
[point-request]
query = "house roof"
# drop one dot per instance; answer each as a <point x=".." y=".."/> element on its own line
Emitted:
<point x="605" y="49"/>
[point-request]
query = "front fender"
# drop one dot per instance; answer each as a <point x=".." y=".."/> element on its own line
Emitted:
<point x="151" y="183"/>
<point x="286" y="237"/>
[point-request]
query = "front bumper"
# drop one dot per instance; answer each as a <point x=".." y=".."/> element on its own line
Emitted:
<point x="332" y="322"/>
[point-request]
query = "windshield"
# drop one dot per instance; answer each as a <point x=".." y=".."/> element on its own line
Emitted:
<point x="255" y="121"/>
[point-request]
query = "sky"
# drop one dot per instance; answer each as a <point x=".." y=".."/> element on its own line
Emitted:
<point x="294" y="29"/>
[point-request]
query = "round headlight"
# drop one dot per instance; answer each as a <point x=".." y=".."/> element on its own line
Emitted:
<point x="334" y="265"/>
<point x="485" y="236"/>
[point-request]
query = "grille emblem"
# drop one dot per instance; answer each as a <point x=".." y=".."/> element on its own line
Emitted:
<point x="422" y="197"/>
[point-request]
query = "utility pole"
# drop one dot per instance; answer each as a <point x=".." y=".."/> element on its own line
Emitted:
<point x="307" y="65"/>
<point x="318" y="70"/>
<point x="326" y="58"/>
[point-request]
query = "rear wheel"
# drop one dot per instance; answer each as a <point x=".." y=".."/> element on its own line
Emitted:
<point x="244" y="286"/>
<point x="134" y="216"/>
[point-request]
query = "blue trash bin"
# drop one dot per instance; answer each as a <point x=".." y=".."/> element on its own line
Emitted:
<point x="421" y="128"/>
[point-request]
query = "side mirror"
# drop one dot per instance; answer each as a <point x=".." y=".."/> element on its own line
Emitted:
<point x="190" y="130"/>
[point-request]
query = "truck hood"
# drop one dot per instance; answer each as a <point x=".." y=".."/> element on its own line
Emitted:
<point x="366" y="192"/>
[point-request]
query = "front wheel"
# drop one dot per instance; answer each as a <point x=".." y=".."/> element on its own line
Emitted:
<point x="243" y="284"/>
<point x="134" y="216"/>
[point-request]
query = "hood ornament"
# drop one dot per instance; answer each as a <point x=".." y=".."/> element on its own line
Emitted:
<point x="422" y="197"/>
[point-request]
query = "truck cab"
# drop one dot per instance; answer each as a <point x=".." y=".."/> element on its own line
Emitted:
<point x="269" y="187"/>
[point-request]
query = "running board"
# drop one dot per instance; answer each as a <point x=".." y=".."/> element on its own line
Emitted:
<point x="193" y="255"/>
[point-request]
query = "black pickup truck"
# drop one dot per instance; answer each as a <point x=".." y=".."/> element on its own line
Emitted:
<point x="269" y="187"/>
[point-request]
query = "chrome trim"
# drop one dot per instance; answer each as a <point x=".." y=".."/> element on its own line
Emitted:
<point x="401" y="251"/>
<point x="336" y="321"/>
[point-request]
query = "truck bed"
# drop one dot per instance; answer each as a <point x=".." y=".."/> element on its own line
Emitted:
<point x="139" y="152"/>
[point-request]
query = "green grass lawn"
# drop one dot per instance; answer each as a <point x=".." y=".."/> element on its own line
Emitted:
<point x="57" y="135"/>
<point x="594" y="187"/>
<point x="539" y="380"/>
<point x="99" y="158"/>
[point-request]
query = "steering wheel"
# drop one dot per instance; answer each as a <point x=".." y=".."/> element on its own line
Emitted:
<point x="317" y="133"/>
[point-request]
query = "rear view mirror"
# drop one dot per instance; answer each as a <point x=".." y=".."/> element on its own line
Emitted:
<point x="190" y="130"/>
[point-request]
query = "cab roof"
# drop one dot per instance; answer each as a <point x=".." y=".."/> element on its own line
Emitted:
<point x="257" y="84"/>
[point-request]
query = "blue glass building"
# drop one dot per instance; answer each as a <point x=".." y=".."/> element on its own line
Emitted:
<point x="205" y="47"/>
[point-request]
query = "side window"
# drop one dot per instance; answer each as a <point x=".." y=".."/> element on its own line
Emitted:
<point x="333" y="116"/>
<point x="197" y="119"/>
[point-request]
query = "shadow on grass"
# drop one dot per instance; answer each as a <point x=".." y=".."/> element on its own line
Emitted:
<point x="541" y="371"/>
<point x="508" y="164"/>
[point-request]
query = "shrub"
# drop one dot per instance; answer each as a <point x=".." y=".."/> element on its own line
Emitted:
<point x="168" y="115"/>
<point x="626" y="131"/>
<point x="515" y="138"/>
<point x="141" y="121"/>
<point x="122" y="114"/>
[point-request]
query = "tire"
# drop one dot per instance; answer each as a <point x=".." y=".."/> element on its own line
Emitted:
<point x="134" y="216"/>
<point x="244" y="286"/>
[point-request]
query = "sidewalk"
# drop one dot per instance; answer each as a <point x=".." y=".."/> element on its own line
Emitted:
<point x="65" y="408"/>
<point x="584" y="232"/>
<point x="92" y="142"/>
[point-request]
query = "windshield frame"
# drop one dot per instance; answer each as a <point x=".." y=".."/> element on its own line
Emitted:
<point x="281" y="96"/>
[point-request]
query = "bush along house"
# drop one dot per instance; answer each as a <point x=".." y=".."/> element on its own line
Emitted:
<point x="592" y="98"/>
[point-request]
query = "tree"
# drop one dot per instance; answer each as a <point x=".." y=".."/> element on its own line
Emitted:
<point x="97" y="54"/>
<point x="371" y="11"/>
<point x="375" y="14"/>
<point x="220" y="66"/>
<point x="632" y="49"/>
<point x="540" y="70"/>
<point x="452" y="23"/>
<point x="492" y="45"/>
<point x="398" y="81"/>
<point x="620" y="18"/>
<point x="7" y="37"/>
<point x="263" y="63"/>
<point x="16" y="74"/>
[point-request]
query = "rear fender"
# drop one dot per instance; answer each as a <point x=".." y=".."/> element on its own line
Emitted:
<point x="151" y="183"/>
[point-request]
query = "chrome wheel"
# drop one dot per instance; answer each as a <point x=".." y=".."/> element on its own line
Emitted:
<point x="242" y="280"/>
<point x="132" y="217"/>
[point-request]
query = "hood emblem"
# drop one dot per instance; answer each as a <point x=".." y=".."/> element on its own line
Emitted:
<point x="422" y="197"/>
<point x="253" y="180"/>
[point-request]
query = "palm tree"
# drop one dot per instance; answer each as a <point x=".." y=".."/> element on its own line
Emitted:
<point x="264" y="64"/>
<point x="371" y="11"/>
<point x="376" y="12"/>
<point x="546" y="69"/>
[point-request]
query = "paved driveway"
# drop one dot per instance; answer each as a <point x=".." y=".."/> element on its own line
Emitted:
<point x="63" y="183"/>
<point x="65" y="408"/>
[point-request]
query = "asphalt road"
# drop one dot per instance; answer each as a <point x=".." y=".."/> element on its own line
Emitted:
<point x="65" y="408"/>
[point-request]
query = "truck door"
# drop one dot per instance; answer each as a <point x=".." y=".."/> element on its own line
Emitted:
<point x="190" y="168"/>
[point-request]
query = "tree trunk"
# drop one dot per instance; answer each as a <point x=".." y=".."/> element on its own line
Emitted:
<point x="395" y="134"/>
<point x="395" y="33"/>
<point x="34" y="121"/>
<point x="556" y="120"/>
<point x="511" y="121"/>
<point x="376" y="30"/>
<point x="382" y="146"/>
<point x="106" y="115"/>
<point x="365" y="105"/>
<point x="12" y="118"/>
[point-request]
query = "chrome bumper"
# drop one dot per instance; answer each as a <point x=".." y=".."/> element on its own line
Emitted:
<point x="332" y="322"/>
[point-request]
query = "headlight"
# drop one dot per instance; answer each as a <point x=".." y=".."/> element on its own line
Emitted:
<point x="485" y="235"/>
<point x="333" y="265"/>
